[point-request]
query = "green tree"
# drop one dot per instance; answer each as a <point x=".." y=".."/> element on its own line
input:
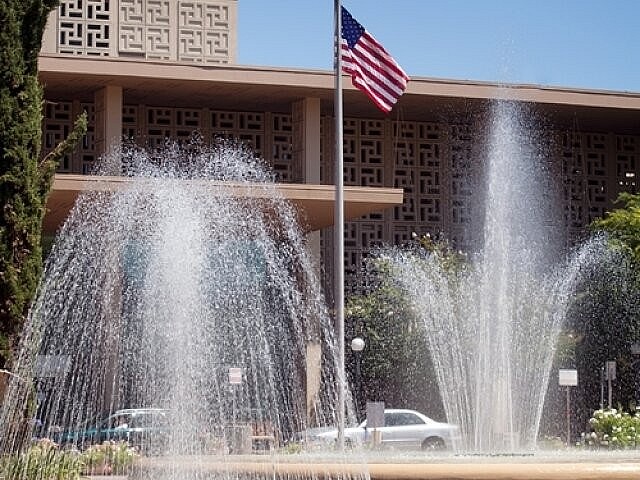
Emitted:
<point x="395" y="366"/>
<point x="623" y="225"/>
<point x="605" y="316"/>
<point x="605" y="312"/>
<point x="25" y="178"/>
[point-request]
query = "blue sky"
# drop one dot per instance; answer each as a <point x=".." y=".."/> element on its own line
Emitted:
<point x="572" y="43"/>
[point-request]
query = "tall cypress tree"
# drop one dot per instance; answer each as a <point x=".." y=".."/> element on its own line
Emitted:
<point x="25" y="177"/>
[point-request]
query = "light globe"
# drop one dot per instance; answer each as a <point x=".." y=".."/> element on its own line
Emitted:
<point x="357" y="344"/>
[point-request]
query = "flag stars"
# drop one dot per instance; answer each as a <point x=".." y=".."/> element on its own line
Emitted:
<point x="351" y="29"/>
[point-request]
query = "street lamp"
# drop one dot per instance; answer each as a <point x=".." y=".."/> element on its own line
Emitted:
<point x="357" y="345"/>
<point x="635" y="352"/>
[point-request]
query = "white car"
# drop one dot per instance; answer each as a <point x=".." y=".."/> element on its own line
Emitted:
<point x="403" y="429"/>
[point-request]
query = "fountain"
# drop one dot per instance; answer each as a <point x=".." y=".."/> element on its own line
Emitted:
<point x="174" y="294"/>
<point x="491" y="328"/>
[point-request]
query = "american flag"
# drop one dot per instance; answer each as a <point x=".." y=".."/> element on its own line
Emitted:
<point x="372" y="69"/>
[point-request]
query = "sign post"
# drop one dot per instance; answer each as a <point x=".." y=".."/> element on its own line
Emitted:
<point x="235" y="376"/>
<point x="610" y="372"/>
<point x="568" y="378"/>
<point x="602" y="375"/>
<point x="375" y="420"/>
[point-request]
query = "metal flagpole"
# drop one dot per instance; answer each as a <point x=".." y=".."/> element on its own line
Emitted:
<point x="338" y="227"/>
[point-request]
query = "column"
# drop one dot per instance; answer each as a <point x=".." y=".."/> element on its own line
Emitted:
<point x="108" y="102"/>
<point x="306" y="154"/>
<point x="50" y="35"/>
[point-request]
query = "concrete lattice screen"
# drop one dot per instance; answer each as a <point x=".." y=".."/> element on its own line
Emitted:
<point x="200" y="31"/>
<point x="434" y="162"/>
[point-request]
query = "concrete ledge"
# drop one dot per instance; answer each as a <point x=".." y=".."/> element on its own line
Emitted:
<point x="507" y="471"/>
<point x="314" y="203"/>
<point x="273" y="468"/>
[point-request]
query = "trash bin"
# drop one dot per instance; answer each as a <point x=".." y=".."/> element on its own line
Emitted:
<point x="238" y="438"/>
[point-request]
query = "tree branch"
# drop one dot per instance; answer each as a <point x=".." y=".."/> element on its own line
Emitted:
<point x="49" y="163"/>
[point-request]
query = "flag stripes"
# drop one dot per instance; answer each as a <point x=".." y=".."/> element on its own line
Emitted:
<point x="370" y="66"/>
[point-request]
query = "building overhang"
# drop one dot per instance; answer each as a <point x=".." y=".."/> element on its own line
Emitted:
<point x="271" y="89"/>
<point x="314" y="203"/>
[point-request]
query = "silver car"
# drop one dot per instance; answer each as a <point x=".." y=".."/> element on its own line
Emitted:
<point x="403" y="429"/>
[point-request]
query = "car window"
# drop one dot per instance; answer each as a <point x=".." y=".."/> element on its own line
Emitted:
<point x="137" y="421"/>
<point x="402" y="418"/>
<point x="115" y="421"/>
<point x="148" y="420"/>
<point x="123" y="421"/>
<point x="390" y="419"/>
<point x="108" y="423"/>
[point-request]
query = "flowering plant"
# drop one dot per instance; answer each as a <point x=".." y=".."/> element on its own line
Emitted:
<point x="613" y="429"/>
<point x="41" y="461"/>
<point x="108" y="458"/>
<point x="45" y="460"/>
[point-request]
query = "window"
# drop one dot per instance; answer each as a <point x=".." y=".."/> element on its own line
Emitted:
<point x="404" y="418"/>
<point x="115" y="421"/>
<point x="148" y="420"/>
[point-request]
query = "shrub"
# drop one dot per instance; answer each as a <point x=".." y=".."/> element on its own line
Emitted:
<point x="611" y="428"/>
<point x="42" y="461"/>
<point x="108" y="458"/>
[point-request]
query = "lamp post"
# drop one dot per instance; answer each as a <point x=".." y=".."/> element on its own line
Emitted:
<point x="635" y="352"/>
<point x="357" y="345"/>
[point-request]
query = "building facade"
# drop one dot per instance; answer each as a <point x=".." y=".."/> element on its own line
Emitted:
<point x="198" y="32"/>
<point x="152" y="69"/>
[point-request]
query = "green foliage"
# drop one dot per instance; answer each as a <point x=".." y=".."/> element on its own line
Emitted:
<point x="566" y="345"/>
<point x="449" y="259"/>
<point x="292" y="448"/>
<point x="108" y="457"/>
<point x="623" y="225"/>
<point x="390" y="329"/>
<point x="395" y="365"/>
<point x="24" y="180"/>
<point x="605" y="316"/>
<point x="613" y="429"/>
<point x="605" y="311"/>
<point x="42" y="461"/>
